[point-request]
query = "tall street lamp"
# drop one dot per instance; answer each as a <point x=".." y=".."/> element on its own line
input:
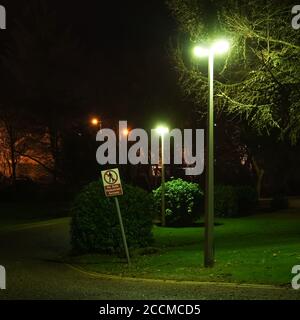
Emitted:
<point x="162" y="131"/>
<point x="219" y="47"/>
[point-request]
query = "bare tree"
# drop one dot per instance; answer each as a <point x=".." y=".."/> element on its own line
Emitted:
<point x="13" y="141"/>
<point x="43" y="60"/>
<point x="259" y="80"/>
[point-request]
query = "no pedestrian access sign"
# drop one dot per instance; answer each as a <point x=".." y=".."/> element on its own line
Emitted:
<point x="113" y="188"/>
<point x="112" y="183"/>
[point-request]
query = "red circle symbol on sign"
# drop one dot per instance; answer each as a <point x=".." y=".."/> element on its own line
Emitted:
<point x="110" y="177"/>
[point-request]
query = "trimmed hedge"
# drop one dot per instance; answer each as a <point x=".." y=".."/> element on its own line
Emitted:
<point x="183" y="202"/>
<point x="226" y="201"/>
<point x="279" y="202"/>
<point x="247" y="199"/>
<point x="234" y="201"/>
<point x="95" y="225"/>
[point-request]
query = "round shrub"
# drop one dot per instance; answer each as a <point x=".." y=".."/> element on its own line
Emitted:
<point x="95" y="226"/>
<point x="226" y="201"/>
<point x="183" y="202"/>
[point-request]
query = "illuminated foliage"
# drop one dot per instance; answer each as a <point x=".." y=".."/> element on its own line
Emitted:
<point x="259" y="81"/>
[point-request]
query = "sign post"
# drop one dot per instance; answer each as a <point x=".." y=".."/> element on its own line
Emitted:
<point x="113" y="188"/>
<point x="122" y="230"/>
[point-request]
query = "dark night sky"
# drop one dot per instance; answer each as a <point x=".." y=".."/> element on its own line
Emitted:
<point x="125" y="44"/>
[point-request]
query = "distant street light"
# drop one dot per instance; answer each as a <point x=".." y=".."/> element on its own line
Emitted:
<point x="126" y="132"/>
<point x="162" y="131"/>
<point x="219" y="47"/>
<point x="96" y="122"/>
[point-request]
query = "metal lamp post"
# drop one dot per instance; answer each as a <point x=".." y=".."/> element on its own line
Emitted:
<point x="218" y="47"/>
<point x="162" y="131"/>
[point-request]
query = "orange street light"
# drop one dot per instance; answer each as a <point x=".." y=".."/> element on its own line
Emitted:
<point x="95" y="121"/>
<point x="126" y="132"/>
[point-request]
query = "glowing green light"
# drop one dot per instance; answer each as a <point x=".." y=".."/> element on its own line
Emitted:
<point x="221" y="46"/>
<point x="218" y="47"/>
<point x="162" y="130"/>
<point x="201" y="52"/>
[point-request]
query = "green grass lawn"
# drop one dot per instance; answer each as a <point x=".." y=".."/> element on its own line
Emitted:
<point x="257" y="249"/>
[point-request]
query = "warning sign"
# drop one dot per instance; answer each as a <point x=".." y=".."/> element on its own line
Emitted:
<point x="112" y="183"/>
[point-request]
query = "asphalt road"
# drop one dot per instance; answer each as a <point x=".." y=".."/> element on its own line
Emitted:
<point x="34" y="271"/>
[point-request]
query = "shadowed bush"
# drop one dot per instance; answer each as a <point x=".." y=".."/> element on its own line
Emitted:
<point x="233" y="201"/>
<point x="226" y="201"/>
<point x="95" y="225"/>
<point x="279" y="202"/>
<point x="247" y="199"/>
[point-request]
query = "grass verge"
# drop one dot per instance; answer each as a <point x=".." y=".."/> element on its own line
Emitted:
<point x="258" y="249"/>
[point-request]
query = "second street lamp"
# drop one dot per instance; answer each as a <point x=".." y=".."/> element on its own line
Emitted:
<point x="219" y="47"/>
<point x="162" y="131"/>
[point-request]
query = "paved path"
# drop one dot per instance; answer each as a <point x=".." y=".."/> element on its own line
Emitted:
<point x="30" y="256"/>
